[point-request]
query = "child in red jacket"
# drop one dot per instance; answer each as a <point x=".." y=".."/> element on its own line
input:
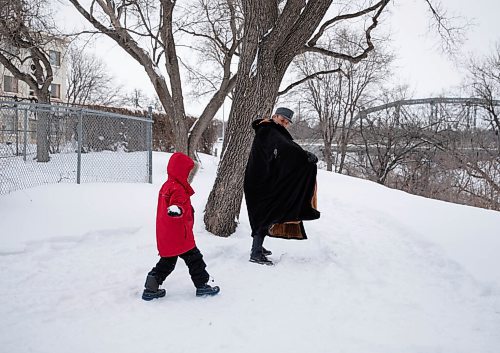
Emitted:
<point x="174" y="232"/>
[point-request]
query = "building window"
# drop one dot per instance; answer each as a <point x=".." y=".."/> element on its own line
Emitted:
<point x="55" y="90"/>
<point x="54" y="58"/>
<point x="10" y="84"/>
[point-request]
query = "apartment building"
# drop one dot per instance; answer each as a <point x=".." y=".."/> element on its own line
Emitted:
<point x="10" y="86"/>
<point x="11" y="126"/>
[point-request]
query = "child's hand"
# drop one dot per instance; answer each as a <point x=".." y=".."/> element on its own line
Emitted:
<point x="174" y="211"/>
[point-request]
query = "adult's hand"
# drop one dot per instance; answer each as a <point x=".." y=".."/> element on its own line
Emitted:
<point x="311" y="157"/>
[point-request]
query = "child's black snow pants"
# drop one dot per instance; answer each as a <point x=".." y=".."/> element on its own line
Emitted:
<point x="194" y="261"/>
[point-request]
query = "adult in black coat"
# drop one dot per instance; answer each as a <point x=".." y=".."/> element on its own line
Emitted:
<point x="280" y="181"/>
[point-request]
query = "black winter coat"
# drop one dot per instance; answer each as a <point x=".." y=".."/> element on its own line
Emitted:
<point x="279" y="181"/>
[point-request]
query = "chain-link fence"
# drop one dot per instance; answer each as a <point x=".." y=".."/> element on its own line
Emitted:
<point x="42" y="144"/>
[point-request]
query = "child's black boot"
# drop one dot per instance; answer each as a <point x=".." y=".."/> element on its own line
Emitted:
<point x="206" y="290"/>
<point x="151" y="290"/>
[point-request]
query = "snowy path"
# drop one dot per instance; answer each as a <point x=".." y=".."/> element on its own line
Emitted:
<point x="379" y="292"/>
<point x="363" y="282"/>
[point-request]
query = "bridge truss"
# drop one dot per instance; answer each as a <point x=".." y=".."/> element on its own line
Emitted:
<point x="458" y="113"/>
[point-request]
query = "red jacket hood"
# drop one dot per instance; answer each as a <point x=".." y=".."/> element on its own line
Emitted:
<point x="178" y="168"/>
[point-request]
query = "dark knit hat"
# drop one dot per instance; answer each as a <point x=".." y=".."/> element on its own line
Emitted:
<point x="285" y="112"/>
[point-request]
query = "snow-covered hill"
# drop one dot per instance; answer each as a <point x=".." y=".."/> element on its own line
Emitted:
<point x="382" y="271"/>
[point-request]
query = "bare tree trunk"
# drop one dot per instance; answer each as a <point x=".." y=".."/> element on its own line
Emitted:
<point x="208" y="113"/>
<point x="224" y="201"/>
<point x="327" y="153"/>
<point x="261" y="69"/>
<point x="344" y="140"/>
<point x="42" y="129"/>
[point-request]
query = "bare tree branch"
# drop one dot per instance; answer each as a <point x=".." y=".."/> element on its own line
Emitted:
<point x="314" y="40"/>
<point x="369" y="44"/>
<point x="307" y="78"/>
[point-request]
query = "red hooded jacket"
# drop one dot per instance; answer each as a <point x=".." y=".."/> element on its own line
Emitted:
<point x="174" y="235"/>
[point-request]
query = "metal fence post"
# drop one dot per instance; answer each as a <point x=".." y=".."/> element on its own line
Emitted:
<point x="16" y="128"/>
<point x="149" y="142"/>
<point x="25" y="133"/>
<point x="80" y="139"/>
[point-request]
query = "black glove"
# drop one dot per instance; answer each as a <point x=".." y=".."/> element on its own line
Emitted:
<point x="174" y="211"/>
<point x="311" y="157"/>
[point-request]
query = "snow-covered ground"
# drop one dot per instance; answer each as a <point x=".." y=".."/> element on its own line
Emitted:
<point x="382" y="271"/>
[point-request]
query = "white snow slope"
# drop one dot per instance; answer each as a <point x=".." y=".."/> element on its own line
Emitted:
<point x="382" y="271"/>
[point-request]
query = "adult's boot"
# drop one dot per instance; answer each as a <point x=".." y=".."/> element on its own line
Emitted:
<point x="260" y="259"/>
<point x="266" y="252"/>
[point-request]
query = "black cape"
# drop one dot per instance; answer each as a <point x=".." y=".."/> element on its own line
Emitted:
<point x="279" y="181"/>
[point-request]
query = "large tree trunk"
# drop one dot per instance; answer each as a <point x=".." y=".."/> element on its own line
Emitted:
<point x="172" y="66"/>
<point x="272" y="40"/>
<point x="251" y="101"/>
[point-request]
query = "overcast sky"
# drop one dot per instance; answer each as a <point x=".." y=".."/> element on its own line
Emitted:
<point x="419" y="63"/>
